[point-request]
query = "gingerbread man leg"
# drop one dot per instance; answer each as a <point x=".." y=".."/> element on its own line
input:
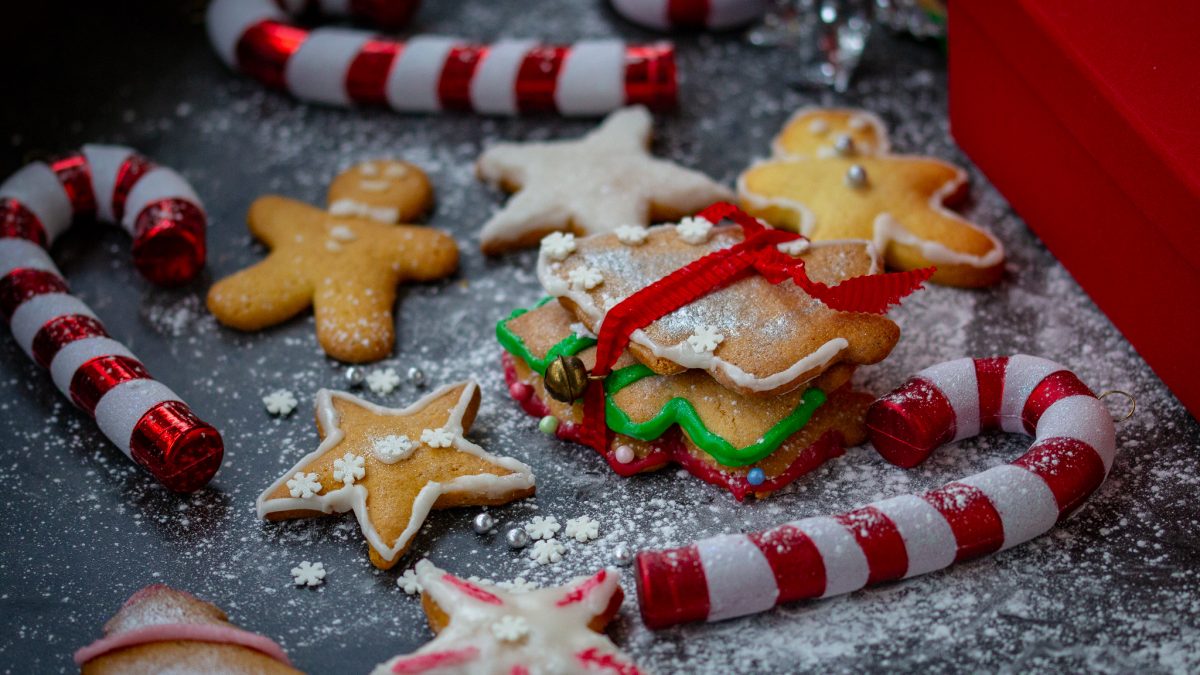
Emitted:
<point x="354" y="314"/>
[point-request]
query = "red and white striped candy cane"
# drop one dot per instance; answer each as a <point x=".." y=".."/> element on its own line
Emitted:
<point x="144" y="418"/>
<point x="339" y="66"/>
<point x="673" y="14"/>
<point x="1074" y="444"/>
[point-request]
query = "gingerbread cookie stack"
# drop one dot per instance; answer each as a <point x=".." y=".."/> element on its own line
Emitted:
<point x="739" y="374"/>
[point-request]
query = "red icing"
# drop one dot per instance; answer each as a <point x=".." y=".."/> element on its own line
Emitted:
<point x="595" y="659"/>
<point x="187" y="632"/>
<point x="420" y="663"/>
<point x="472" y="590"/>
<point x="581" y="591"/>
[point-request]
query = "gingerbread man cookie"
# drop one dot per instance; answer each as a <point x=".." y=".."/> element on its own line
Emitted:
<point x="345" y="261"/>
<point x="391" y="467"/>
<point x="833" y="176"/>
<point x="162" y="630"/>
<point x="482" y="629"/>
<point x="602" y="181"/>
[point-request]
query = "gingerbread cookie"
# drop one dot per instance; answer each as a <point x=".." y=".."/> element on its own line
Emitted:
<point x="162" y="630"/>
<point x="594" y="184"/>
<point x="753" y="336"/>
<point x="391" y="467"/>
<point x="833" y="176"/>
<point x="688" y="418"/>
<point x="483" y="629"/>
<point x="345" y="261"/>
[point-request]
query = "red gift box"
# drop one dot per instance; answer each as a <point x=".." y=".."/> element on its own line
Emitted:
<point x="1085" y="114"/>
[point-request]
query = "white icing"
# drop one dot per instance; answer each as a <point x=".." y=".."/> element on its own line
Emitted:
<point x="535" y="631"/>
<point x="593" y="184"/>
<point x="354" y="497"/>
<point x="547" y="551"/>
<point x="280" y="402"/>
<point x="383" y="381"/>
<point x="542" y="527"/>
<point x="304" y="485"/>
<point x="558" y="245"/>
<point x="582" y="529"/>
<point x="395" y="171"/>
<point x="368" y="169"/>
<point x="349" y="468"/>
<point x="374" y="185"/>
<point x="332" y="246"/>
<point x="352" y="207"/>
<point x="308" y="574"/>
<point x="795" y="247"/>
<point x="437" y="438"/>
<point x="868" y="119"/>
<point x="342" y="233"/>
<point x="631" y="235"/>
<point x="393" y="448"/>
<point x="818" y="127"/>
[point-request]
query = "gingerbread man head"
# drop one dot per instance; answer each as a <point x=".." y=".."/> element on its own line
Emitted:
<point x="388" y="191"/>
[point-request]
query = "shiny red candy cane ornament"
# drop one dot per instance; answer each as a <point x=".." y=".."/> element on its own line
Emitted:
<point x="690" y="14"/>
<point x="757" y="252"/>
<point x="339" y="66"/>
<point x="141" y="416"/>
<point x="1074" y="446"/>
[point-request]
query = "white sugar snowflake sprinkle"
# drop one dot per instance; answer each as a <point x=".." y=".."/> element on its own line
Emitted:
<point x="280" y="402"/>
<point x="547" y="551"/>
<point x="705" y="339"/>
<point x="542" y="528"/>
<point x="349" y="468"/>
<point x="795" y="247"/>
<point x="393" y="448"/>
<point x="631" y="235"/>
<point x="408" y="582"/>
<point x="437" y="438"/>
<point x="304" y="485"/>
<point x="582" y="528"/>
<point x="510" y="628"/>
<point x="383" y="381"/>
<point x="584" y="278"/>
<point x="308" y="574"/>
<point x="558" y="245"/>
<point x="518" y="585"/>
<point x="694" y="230"/>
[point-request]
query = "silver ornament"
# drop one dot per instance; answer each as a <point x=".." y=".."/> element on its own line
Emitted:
<point x="355" y="376"/>
<point x="844" y="145"/>
<point x="416" y="376"/>
<point x="517" y="538"/>
<point x="623" y="554"/>
<point x="856" y="176"/>
<point x="483" y="523"/>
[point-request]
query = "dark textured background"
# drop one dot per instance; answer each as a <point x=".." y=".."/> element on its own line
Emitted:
<point x="1114" y="589"/>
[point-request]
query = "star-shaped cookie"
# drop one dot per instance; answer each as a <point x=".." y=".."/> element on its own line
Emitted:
<point x="593" y="184"/>
<point x="832" y="176"/>
<point x="391" y="467"/>
<point x="484" y="629"/>
<point x="345" y="261"/>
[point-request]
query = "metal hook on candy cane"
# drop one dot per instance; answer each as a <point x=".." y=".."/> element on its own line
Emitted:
<point x="339" y="66"/>
<point x="1074" y="445"/>
<point x="140" y="415"/>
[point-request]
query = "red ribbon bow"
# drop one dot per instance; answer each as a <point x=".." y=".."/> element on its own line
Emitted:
<point x="757" y="252"/>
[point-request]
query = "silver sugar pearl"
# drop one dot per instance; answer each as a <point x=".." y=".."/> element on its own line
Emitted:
<point x="623" y="554"/>
<point x="483" y="523"/>
<point x="844" y="145"/>
<point x="355" y="376"/>
<point x="516" y="538"/>
<point x="856" y="176"/>
<point x="416" y="376"/>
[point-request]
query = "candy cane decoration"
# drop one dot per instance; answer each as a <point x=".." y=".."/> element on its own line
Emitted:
<point x="737" y="574"/>
<point x="144" y="418"/>
<point x="673" y="14"/>
<point x="345" y="67"/>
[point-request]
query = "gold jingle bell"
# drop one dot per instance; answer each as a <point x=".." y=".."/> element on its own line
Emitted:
<point x="566" y="379"/>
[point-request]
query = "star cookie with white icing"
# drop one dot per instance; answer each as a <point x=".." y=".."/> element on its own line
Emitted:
<point x="345" y="262"/>
<point x="368" y="464"/>
<point x="597" y="183"/>
<point x="483" y="629"/>
<point x="832" y="176"/>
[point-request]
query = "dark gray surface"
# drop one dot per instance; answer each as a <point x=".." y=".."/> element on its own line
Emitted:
<point x="1114" y="589"/>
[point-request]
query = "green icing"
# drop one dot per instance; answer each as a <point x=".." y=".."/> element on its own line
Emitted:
<point x="676" y="411"/>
